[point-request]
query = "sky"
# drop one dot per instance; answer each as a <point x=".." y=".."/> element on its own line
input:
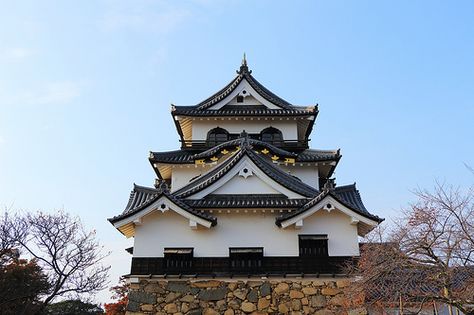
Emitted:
<point x="86" y="88"/>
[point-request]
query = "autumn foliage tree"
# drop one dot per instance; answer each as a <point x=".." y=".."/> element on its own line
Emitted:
<point x="64" y="255"/>
<point x="427" y="258"/>
<point x="120" y="294"/>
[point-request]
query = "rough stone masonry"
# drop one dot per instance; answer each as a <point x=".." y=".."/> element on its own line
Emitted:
<point x="212" y="297"/>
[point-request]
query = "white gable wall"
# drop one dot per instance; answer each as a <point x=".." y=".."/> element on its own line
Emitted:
<point x="168" y="229"/>
<point x="249" y="185"/>
<point x="245" y="162"/>
<point x="288" y="128"/>
<point x="244" y="86"/>
<point x="181" y="176"/>
<point x="308" y="174"/>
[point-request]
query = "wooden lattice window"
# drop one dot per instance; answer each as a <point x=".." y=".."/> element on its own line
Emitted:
<point x="272" y="135"/>
<point x="178" y="258"/>
<point x="217" y="136"/>
<point x="315" y="245"/>
<point x="245" y="258"/>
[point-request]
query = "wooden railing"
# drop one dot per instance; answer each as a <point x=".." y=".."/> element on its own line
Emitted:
<point x="222" y="266"/>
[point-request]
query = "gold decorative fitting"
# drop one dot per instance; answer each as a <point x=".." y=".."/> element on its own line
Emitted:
<point x="237" y="148"/>
<point x="290" y="160"/>
<point x="265" y="151"/>
<point x="224" y="151"/>
<point x="274" y="158"/>
<point x="213" y="159"/>
<point x="199" y="162"/>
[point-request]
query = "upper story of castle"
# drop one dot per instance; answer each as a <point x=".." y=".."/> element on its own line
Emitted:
<point x="244" y="105"/>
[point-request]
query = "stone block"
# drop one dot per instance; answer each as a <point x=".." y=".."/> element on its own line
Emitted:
<point x="296" y="305"/>
<point x="330" y="291"/>
<point x="309" y="291"/>
<point x="265" y="289"/>
<point x="318" y="301"/>
<point x="178" y="286"/>
<point x="170" y="297"/>
<point x="210" y="311"/>
<point x="294" y="294"/>
<point x="133" y="306"/>
<point x="232" y="286"/>
<point x="253" y="295"/>
<point x="147" y="307"/>
<point x="241" y="293"/>
<point x="171" y="308"/>
<point x="229" y="312"/>
<point x="343" y="283"/>
<point x="281" y="288"/>
<point x="248" y="307"/>
<point x="263" y="303"/>
<point x="212" y="295"/>
<point x="142" y="297"/>
<point x="283" y="309"/>
<point x="187" y="298"/>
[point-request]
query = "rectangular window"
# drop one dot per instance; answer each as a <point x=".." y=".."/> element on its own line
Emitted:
<point x="245" y="258"/>
<point x="315" y="245"/>
<point x="179" y="259"/>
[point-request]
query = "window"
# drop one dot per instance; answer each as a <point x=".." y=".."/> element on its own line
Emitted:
<point x="216" y="136"/>
<point x="313" y="245"/>
<point x="245" y="258"/>
<point x="178" y="258"/>
<point x="271" y="135"/>
<point x="240" y="99"/>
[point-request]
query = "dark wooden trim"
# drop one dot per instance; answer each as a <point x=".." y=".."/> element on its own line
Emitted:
<point x="222" y="266"/>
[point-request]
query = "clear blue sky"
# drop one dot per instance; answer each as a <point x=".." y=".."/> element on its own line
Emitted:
<point x="86" y="87"/>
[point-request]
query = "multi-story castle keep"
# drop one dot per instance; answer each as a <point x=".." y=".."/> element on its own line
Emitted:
<point x="244" y="195"/>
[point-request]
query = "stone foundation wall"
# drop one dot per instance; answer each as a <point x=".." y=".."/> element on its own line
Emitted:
<point x="211" y="297"/>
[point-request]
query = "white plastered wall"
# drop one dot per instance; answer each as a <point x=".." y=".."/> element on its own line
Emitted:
<point x="181" y="176"/>
<point x="168" y="229"/>
<point x="308" y="174"/>
<point x="251" y="97"/>
<point x="288" y="128"/>
<point x="249" y="185"/>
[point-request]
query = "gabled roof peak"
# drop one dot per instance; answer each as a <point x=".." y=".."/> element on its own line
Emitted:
<point x="244" y="67"/>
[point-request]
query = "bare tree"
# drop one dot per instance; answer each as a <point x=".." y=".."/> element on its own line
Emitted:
<point x="428" y="256"/>
<point x="69" y="255"/>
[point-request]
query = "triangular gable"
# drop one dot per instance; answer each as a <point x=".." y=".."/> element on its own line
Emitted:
<point x="249" y="95"/>
<point x="271" y="174"/>
<point x="163" y="203"/>
<point x="145" y="200"/>
<point x="248" y="174"/>
<point x="328" y="202"/>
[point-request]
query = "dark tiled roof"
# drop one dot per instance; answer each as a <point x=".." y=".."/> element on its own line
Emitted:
<point x="141" y="197"/>
<point x="253" y="142"/>
<point x="202" y="109"/>
<point x="244" y="73"/>
<point x="348" y="195"/>
<point x="247" y="111"/>
<point x="183" y="156"/>
<point x="312" y="155"/>
<point x="268" y="168"/>
<point x="246" y="201"/>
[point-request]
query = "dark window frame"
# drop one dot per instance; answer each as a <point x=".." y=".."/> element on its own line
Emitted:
<point x="178" y="257"/>
<point x="217" y="135"/>
<point x="243" y="259"/>
<point x="313" y="245"/>
<point x="271" y="135"/>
